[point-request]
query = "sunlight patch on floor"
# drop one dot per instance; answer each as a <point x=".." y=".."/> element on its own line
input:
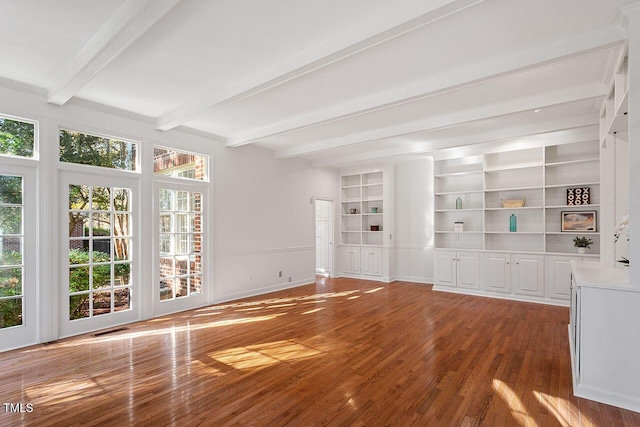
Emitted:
<point x="370" y="291"/>
<point x="553" y="403"/>
<point x="315" y="310"/>
<point x="518" y="411"/>
<point x="266" y="354"/>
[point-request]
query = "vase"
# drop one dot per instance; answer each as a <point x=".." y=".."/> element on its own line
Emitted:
<point x="458" y="203"/>
<point x="513" y="223"/>
<point x="582" y="250"/>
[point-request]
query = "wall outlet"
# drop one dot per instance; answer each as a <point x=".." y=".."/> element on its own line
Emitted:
<point x="280" y="273"/>
<point x="457" y="237"/>
<point x="250" y="277"/>
<point x="557" y="239"/>
<point x="289" y="279"/>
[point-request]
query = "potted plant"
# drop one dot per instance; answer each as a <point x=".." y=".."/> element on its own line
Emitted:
<point x="582" y="243"/>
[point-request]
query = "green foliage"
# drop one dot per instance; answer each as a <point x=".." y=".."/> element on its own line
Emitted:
<point x="76" y="147"/>
<point x="10" y="312"/>
<point x="582" y="242"/>
<point x="16" y="138"/>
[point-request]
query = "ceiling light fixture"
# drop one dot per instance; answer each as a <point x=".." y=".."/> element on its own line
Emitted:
<point x="536" y="111"/>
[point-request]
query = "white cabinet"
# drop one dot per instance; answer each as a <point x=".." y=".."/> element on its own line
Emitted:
<point x="603" y="336"/>
<point x="496" y="272"/>
<point x="527" y="274"/>
<point x="520" y="273"/>
<point x="558" y="271"/>
<point x="351" y="260"/>
<point x="372" y="261"/>
<point x="458" y="269"/>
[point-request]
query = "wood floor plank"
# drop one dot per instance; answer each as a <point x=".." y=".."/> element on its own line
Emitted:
<point x="339" y="352"/>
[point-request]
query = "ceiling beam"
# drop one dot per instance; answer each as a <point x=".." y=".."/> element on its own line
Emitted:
<point x="549" y="54"/>
<point x="129" y="22"/>
<point x="530" y="132"/>
<point x="590" y="91"/>
<point x="410" y="15"/>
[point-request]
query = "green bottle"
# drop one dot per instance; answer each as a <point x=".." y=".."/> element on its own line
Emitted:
<point x="513" y="223"/>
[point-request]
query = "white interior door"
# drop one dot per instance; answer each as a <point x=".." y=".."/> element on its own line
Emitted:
<point x="98" y="252"/>
<point x="324" y="236"/>
<point x="18" y="259"/>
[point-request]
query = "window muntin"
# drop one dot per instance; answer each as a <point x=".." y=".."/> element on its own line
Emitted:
<point x="11" y="251"/>
<point x="179" y="164"/>
<point x="180" y="243"/>
<point x="92" y="150"/>
<point x="100" y="248"/>
<point x="17" y="138"/>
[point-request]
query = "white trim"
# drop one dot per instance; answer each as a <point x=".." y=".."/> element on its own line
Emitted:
<point x="265" y="290"/>
<point x="413" y="279"/>
<point x="263" y="251"/>
<point x="521" y="298"/>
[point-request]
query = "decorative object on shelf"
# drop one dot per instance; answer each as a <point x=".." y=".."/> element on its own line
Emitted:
<point x="353" y="211"/>
<point x="621" y="228"/>
<point x="582" y="243"/>
<point x="578" y="220"/>
<point x="374" y="209"/>
<point x="375" y="227"/>
<point x="516" y="203"/>
<point x="513" y="223"/>
<point x="458" y="226"/>
<point x="578" y="196"/>
<point x="458" y="203"/>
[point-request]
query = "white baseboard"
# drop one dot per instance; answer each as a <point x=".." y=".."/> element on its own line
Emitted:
<point x="360" y="277"/>
<point x="264" y="290"/>
<point x="415" y="279"/>
<point x="522" y="298"/>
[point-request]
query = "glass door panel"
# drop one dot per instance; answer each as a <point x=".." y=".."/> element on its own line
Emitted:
<point x="98" y="254"/>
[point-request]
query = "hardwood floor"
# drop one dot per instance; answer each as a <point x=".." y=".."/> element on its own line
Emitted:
<point x="340" y="352"/>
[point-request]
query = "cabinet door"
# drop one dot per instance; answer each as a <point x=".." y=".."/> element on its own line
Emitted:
<point x="528" y="274"/>
<point x="445" y="271"/>
<point x="468" y="270"/>
<point x="372" y="261"/>
<point x="496" y="272"/>
<point x="559" y="277"/>
<point x="351" y="259"/>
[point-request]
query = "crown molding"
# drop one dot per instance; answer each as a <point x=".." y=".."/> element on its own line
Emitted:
<point x="631" y="10"/>
<point x="23" y="87"/>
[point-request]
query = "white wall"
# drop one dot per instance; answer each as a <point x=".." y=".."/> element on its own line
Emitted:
<point x="414" y="220"/>
<point x="265" y="220"/>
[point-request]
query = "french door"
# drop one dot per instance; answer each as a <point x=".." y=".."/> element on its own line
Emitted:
<point x="18" y="258"/>
<point x="180" y="226"/>
<point x="99" y="252"/>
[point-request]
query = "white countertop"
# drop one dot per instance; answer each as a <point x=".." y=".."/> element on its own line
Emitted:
<point x="594" y="274"/>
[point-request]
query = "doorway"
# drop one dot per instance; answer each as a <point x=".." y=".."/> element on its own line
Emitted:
<point x="324" y="236"/>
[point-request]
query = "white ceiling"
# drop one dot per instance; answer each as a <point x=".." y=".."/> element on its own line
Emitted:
<point x="331" y="81"/>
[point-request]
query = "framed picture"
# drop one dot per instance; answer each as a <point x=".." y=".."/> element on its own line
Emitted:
<point x="578" y="196"/>
<point x="578" y="220"/>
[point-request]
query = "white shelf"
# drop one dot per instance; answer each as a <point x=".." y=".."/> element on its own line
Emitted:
<point x="457" y="232"/>
<point x="597" y="205"/>
<point x="445" y="175"/>
<point x="494" y="190"/>
<point x="372" y="214"/>
<point x="572" y="162"/>
<point x="573" y="233"/>
<point x="513" y="168"/>
<point x="515" y="232"/>
<point x="448" y="193"/>
<point x="513" y="209"/>
<point x="459" y="210"/>
<point x="579" y="184"/>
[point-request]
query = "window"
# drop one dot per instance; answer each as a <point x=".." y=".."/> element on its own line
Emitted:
<point x="84" y="149"/>
<point x="179" y="164"/>
<point x="11" y="251"/>
<point x="99" y="250"/>
<point x="17" y="138"/>
<point x="180" y="243"/>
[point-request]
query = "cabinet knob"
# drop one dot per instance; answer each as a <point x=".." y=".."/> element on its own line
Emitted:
<point x="508" y="263"/>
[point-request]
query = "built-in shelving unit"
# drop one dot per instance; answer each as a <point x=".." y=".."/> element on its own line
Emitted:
<point x="539" y="176"/>
<point x="614" y="118"/>
<point x="366" y="223"/>
<point x="363" y="209"/>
